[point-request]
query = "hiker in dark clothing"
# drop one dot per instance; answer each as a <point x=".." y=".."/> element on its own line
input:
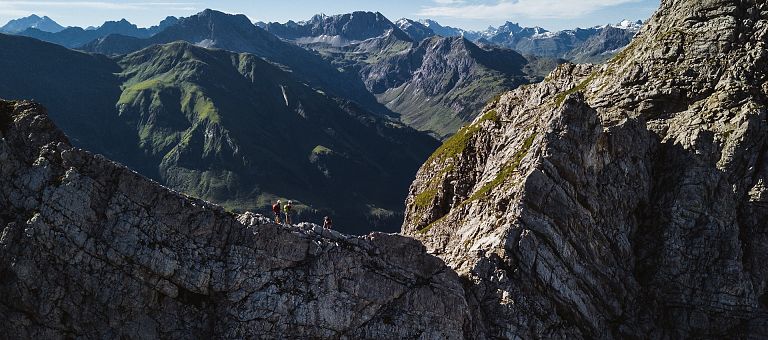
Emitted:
<point x="327" y="223"/>
<point x="287" y="208"/>
<point x="276" y="209"/>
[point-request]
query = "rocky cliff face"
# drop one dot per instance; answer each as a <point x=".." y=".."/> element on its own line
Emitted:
<point x="90" y="249"/>
<point x="626" y="200"/>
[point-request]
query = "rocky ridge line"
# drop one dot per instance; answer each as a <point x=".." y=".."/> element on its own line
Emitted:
<point x="91" y="249"/>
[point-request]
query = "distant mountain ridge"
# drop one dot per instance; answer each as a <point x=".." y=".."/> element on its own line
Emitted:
<point x="434" y="83"/>
<point x="44" y="24"/>
<point x="352" y="27"/>
<point x="439" y="84"/>
<point x="214" y="29"/>
<point x="74" y="37"/>
<point x="448" y="31"/>
<point x="541" y="42"/>
<point x="414" y="29"/>
<point x="594" y="44"/>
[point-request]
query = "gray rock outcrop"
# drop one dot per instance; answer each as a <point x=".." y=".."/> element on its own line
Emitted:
<point x="626" y="200"/>
<point x="90" y="249"/>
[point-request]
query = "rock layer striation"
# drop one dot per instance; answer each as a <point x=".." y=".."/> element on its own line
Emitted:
<point x="626" y="200"/>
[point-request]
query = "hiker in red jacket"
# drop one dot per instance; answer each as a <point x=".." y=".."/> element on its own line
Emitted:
<point x="276" y="209"/>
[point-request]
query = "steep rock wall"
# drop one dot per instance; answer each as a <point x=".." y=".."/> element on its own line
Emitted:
<point x="621" y="200"/>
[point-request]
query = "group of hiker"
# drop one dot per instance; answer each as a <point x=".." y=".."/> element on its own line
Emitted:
<point x="278" y="208"/>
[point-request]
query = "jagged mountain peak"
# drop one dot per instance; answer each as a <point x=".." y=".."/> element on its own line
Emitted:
<point x="352" y="27"/>
<point x="429" y="22"/>
<point x="213" y="16"/>
<point x="211" y="28"/>
<point x="121" y="24"/>
<point x="434" y="84"/>
<point x="33" y="21"/>
<point x="417" y="31"/>
<point x="446" y="31"/>
<point x="511" y="27"/>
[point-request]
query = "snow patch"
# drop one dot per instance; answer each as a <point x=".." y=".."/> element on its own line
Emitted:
<point x="333" y="40"/>
<point x="206" y="43"/>
<point x="544" y="35"/>
<point x="285" y="95"/>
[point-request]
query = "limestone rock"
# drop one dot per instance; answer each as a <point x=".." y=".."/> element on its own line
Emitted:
<point x="90" y="249"/>
<point x="626" y="200"/>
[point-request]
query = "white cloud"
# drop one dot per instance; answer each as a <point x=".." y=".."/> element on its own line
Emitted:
<point x="109" y="5"/>
<point x="13" y="12"/>
<point x="449" y="2"/>
<point x="504" y="9"/>
<point x="94" y="12"/>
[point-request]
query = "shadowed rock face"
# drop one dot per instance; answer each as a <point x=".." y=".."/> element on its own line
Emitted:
<point x="91" y="249"/>
<point x="619" y="201"/>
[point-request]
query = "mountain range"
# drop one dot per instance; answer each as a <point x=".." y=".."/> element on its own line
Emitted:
<point x="213" y="29"/>
<point x="432" y="84"/>
<point x="583" y="45"/>
<point x="397" y="49"/>
<point x="203" y="103"/>
<point x="437" y="82"/>
<point x="73" y="37"/>
<point x="358" y="26"/>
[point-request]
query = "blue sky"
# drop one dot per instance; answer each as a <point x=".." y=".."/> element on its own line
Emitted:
<point x="470" y="14"/>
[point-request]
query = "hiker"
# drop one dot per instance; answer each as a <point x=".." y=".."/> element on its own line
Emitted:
<point x="287" y="209"/>
<point x="327" y="223"/>
<point x="276" y="210"/>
